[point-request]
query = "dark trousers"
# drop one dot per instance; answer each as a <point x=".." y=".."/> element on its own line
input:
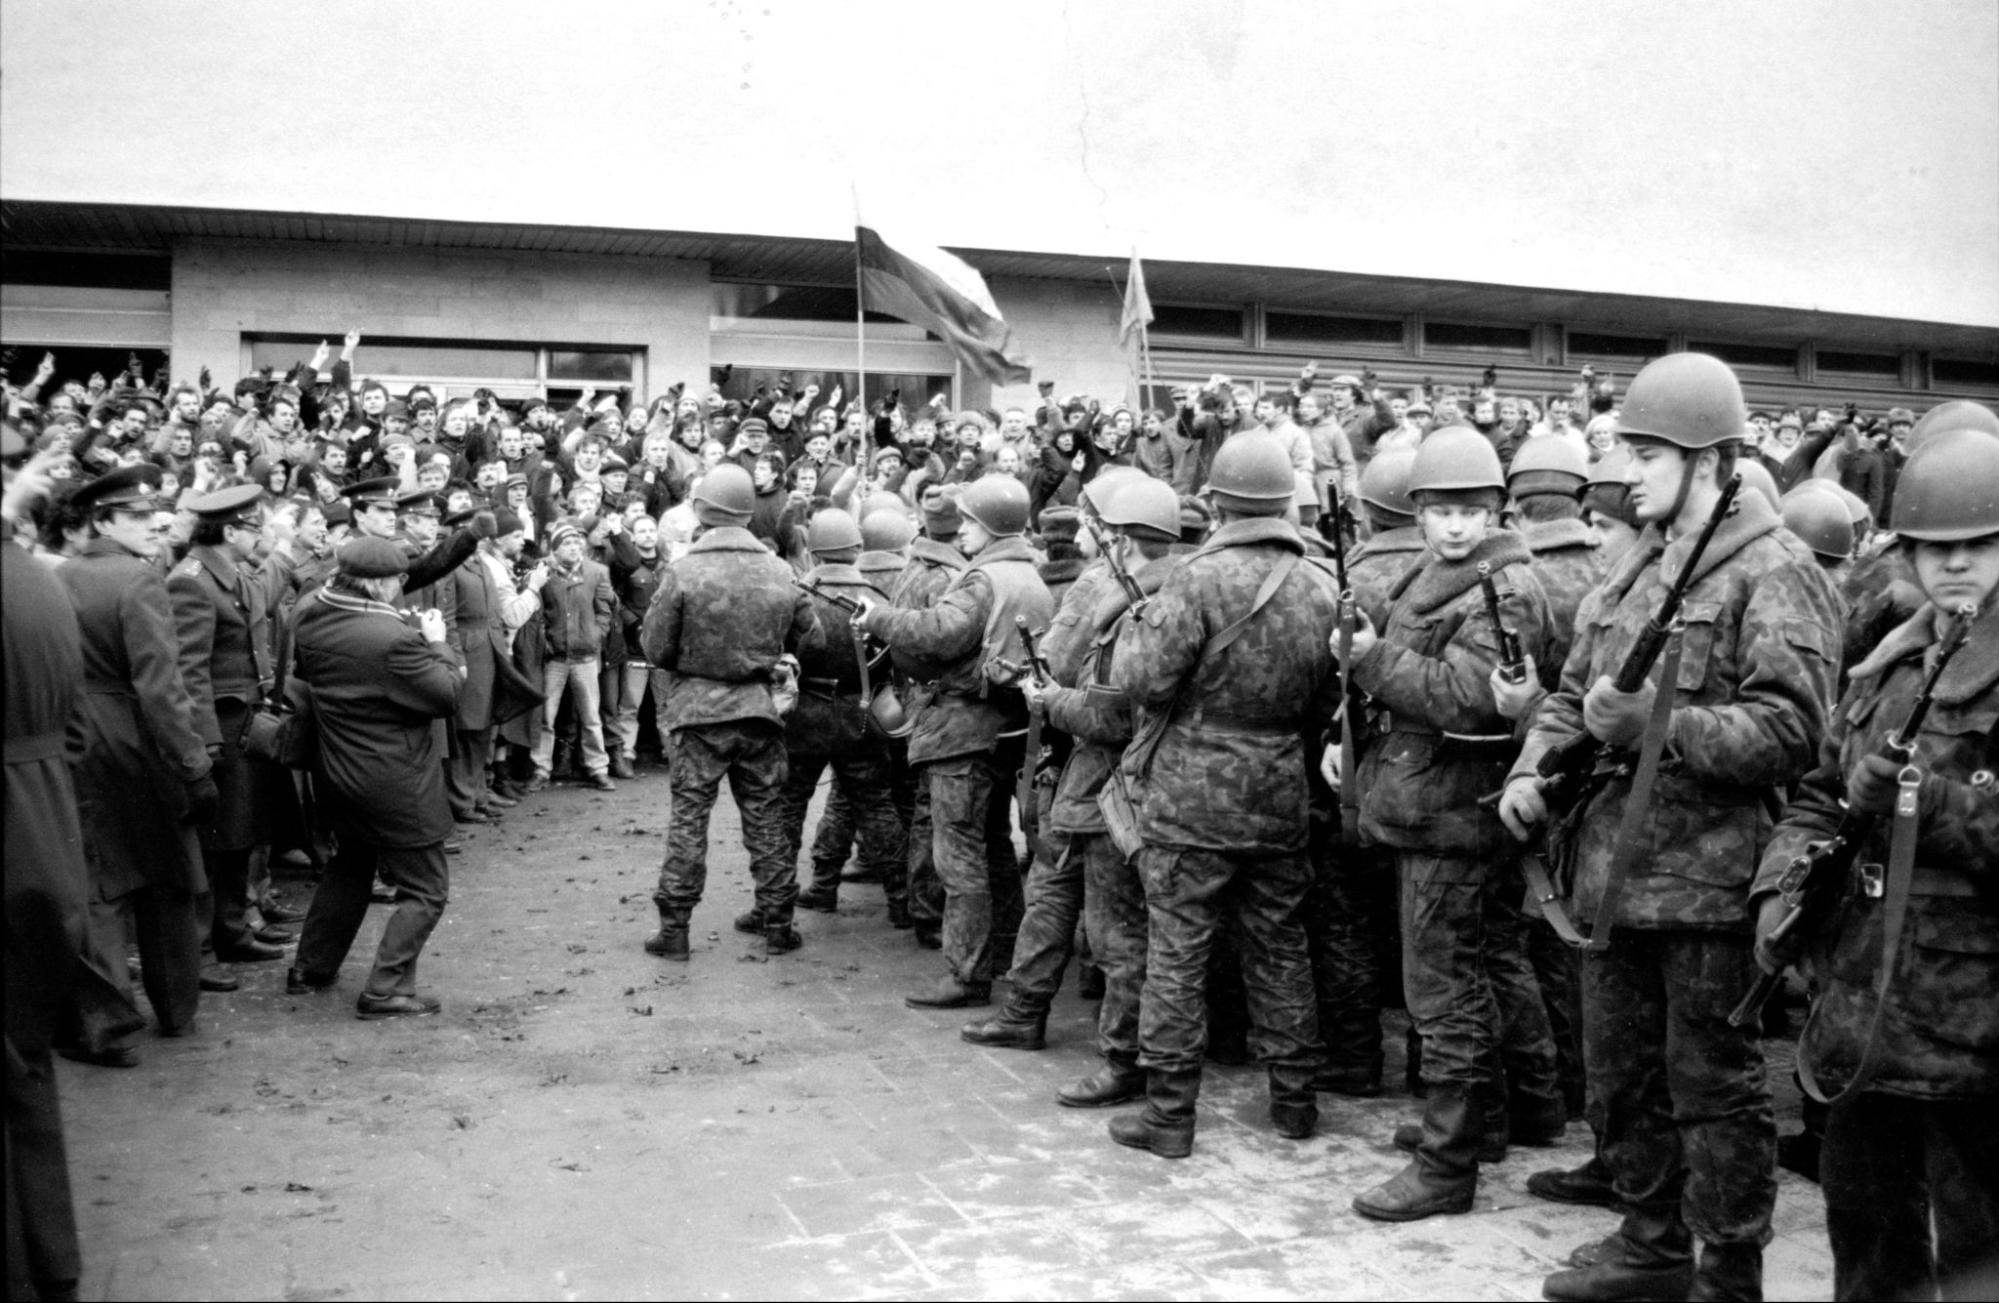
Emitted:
<point x="1115" y="918"/>
<point x="972" y="838"/>
<point x="465" y="771"/>
<point x="861" y="782"/>
<point x="1352" y="908"/>
<point x="226" y="901"/>
<point x="1465" y="976"/>
<point x="41" y="951"/>
<point x="168" y="926"/>
<point x="1047" y="938"/>
<point x="422" y="884"/>
<point x="750" y="755"/>
<point x="1558" y="971"/>
<point x="1687" y="1122"/>
<point x="926" y="890"/>
<point x="1191" y="896"/>
<point x="1893" y="1168"/>
<point x="833" y="839"/>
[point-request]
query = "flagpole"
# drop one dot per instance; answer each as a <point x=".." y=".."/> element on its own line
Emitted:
<point x="1131" y="363"/>
<point x="861" y="349"/>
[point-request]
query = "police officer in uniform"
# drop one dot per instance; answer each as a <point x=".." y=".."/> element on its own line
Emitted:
<point x="143" y="780"/>
<point x="1688" y="1135"/>
<point x="222" y="619"/>
<point x="967" y="738"/>
<point x="381" y="679"/>
<point x="1910" y="1162"/>
<point x="831" y="727"/>
<point x="1225" y="671"/>
<point x="723" y="616"/>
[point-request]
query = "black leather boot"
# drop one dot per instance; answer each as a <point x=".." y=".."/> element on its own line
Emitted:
<point x="1729" y="1271"/>
<point x="1165" y="1126"/>
<point x="670" y="942"/>
<point x="1653" y="1259"/>
<point x="1009" y="1029"/>
<point x="1443" y="1175"/>
<point x="1588" y="1184"/>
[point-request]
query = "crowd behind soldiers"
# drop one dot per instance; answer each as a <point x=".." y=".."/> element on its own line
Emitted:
<point x="1267" y="682"/>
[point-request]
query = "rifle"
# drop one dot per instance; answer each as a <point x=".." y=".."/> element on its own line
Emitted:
<point x="1133" y="594"/>
<point x="1811" y="882"/>
<point x="860" y="635"/>
<point x="1564" y="768"/>
<point x="1037" y="665"/>
<point x="1512" y="660"/>
<point x="1350" y="700"/>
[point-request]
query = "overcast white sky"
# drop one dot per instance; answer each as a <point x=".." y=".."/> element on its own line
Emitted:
<point x="1832" y="154"/>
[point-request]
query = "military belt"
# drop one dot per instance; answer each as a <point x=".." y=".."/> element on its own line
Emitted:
<point x="1196" y="717"/>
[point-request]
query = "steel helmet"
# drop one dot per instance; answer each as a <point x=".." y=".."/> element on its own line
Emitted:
<point x="1146" y="505"/>
<point x="1252" y="475"/>
<point x="1384" y="485"/>
<point x="1949" y="488"/>
<point x="998" y="503"/>
<point x="1819" y="519"/>
<point x="1606" y="491"/>
<point x="1957" y="414"/>
<point x="887" y="531"/>
<point x="1105" y="485"/>
<point x="1755" y="475"/>
<point x="1548" y="464"/>
<point x="727" y="489"/>
<point x="1455" y="458"/>
<point x="887" y="713"/>
<point x="832" y="530"/>
<point x="1688" y="399"/>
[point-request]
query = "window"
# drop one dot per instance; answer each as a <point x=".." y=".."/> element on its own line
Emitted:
<point x="106" y="271"/>
<point x="1958" y="371"/>
<point x="1485" y="339"/>
<point x="1319" y="328"/>
<point x="732" y="301"/>
<point x="917" y="388"/>
<point x="1887" y="366"/>
<point x="1637" y="348"/>
<point x="1191" y="321"/>
<point x="1773" y="357"/>
<point x="457" y="367"/>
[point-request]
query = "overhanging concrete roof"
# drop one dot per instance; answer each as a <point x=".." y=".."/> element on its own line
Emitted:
<point x="127" y="228"/>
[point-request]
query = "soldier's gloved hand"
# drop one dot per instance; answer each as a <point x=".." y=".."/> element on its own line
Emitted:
<point x="1616" y="718"/>
<point x="1768" y="914"/>
<point x="1522" y="806"/>
<point x="1032" y="689"/>
<point x="1364" y="636"/>
<point x="867" y="610"/>
<point x="203" y="799"/>
<point x="1870" y="788"/>
<point x="1515" y="701"/>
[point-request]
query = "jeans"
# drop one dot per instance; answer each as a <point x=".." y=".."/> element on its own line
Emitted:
<point x="623" y="692"/>
<point x="581" y="678"/>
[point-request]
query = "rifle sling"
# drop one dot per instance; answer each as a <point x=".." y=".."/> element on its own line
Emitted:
<point x="1637" y="811"/>
<point x="1900" y="877"/>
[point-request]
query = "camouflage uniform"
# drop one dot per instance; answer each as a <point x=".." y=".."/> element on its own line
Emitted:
<point x="1568" y="564"/>
<point x="931" y="567"/>
<point x="1436" y="744"/>
<point x="1221" y="801"/>
<point x="722" y="616"/>
<point x="828" y="728"/>
<point x="1917" y="1141"/>
<point x="1688" y="1126"/>
<point x="967" y="739"/>
<point x="1880" y="594"/>
<point x="1376" y="565"/>
<point x="1090" y="879"/>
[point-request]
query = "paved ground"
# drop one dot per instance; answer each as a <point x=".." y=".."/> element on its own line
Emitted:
<point x="584" y="1121"/>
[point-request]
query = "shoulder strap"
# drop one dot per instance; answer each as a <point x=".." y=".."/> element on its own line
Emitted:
<point x="1271" y="583"/>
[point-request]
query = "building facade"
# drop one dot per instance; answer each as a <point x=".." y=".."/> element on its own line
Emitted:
<point x="552" y="311"/>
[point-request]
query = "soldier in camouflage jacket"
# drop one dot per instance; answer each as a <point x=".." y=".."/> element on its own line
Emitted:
<point x="1910" y="1162"/>
<point x="722" y="617"/>
<point x="1689" y="1134"/>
